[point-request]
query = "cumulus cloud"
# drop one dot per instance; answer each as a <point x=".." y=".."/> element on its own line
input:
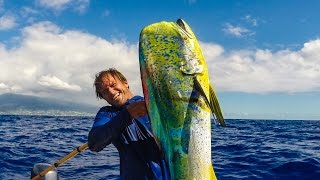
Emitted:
<point x="7" y="22"/>
<point x="56" y="83"/>
<point x="236" y="31"/>
<point x="211" y="51"/>
<point x="264" y="71"/>
<point x="3" y="86"/>
<point x="59" y="63"/>
<point x="51" y="61"/>
<point x="59" y="5"/>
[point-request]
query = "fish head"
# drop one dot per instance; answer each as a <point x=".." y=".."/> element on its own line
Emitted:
<point x="175" y="44"/>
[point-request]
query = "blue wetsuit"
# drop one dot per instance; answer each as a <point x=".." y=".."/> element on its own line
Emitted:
<point x="140" y="156"/>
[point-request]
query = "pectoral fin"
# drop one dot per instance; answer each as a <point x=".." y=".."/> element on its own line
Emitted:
<point x="215" y="107"/>
<point x="212" y="102"/>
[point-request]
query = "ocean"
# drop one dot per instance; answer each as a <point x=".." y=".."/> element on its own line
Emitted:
<point x="246" y="149"/>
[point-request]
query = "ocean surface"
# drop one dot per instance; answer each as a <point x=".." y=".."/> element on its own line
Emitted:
<point x="246" y="149"/>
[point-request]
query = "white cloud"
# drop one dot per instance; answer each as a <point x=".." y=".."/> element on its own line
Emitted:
<point x="7" y="22"/>
<point x="211" y="51"/>
<point x="3" y="86"/>
<point x="50" y="61"/>
<point x="56" y="83"/>
<point x="236" y="31"/>
<point x="57" y="63"/>
<point x="263" y="71"/>
<point x="59" y="5"/>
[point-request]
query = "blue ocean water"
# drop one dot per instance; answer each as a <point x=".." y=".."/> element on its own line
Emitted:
<point x="246" y="149"/>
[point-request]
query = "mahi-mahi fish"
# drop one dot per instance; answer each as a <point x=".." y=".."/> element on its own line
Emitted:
<point x="179" y="98"/>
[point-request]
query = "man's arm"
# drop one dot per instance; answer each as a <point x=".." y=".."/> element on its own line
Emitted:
<point x="102" y="135"/>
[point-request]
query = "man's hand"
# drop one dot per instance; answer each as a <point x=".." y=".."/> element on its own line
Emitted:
<point x="137" y="109"/>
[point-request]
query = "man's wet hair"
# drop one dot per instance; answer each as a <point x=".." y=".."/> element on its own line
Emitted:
<point x="98" y="80"/>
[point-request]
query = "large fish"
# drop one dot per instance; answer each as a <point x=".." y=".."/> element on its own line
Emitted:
<point x="179" y="98"/>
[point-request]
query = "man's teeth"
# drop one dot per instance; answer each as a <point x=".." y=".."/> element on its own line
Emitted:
<point x="115" y="96"/>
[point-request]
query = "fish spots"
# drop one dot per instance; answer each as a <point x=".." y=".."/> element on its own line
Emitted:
<point x="191" y="66"/>
<point x="175" y="133"/>
<point x="180" y="137"/>
<point x="179" y="94"/>
<point x="181" y="162"/>
<point x="179" y="114"/>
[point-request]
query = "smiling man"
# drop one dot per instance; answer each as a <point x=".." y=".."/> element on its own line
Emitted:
<point x="125" y="124"/>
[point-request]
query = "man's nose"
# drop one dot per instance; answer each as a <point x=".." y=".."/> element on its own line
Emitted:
<point x="110" y="90"/>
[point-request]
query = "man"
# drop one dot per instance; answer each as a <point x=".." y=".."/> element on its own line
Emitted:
<point x="125" y="124"/>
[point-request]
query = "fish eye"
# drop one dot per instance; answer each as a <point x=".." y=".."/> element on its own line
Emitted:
<point x="181" y="24"/>
<point x="183" y="28"/>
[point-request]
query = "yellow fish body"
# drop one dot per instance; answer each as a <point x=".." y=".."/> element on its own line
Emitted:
<point x="179" y="98"/>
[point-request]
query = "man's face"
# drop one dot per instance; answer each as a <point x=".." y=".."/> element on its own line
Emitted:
<point x="114" y="91"/>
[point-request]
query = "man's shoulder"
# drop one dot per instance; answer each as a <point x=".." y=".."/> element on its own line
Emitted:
<point x="111" y="109"/>
<point x="105" y="108"/>
<point x="136" y="98"/>
<point x="106" y="112"/>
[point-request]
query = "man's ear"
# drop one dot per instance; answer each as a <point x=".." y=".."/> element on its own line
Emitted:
<point x="127" y="84"/>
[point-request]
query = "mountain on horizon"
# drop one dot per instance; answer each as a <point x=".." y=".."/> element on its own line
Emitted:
<point x="25" y="104"/>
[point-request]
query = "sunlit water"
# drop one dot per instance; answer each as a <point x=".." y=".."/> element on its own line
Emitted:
<point x="246" y="149"/>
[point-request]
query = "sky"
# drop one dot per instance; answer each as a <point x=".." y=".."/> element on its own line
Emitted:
<point x="263" y="56"/>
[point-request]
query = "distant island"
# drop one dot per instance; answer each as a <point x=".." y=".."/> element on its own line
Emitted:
<point x="16" y="104"/>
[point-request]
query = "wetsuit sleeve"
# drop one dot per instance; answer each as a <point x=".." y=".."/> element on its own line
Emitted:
<point x="106" y="129"/>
